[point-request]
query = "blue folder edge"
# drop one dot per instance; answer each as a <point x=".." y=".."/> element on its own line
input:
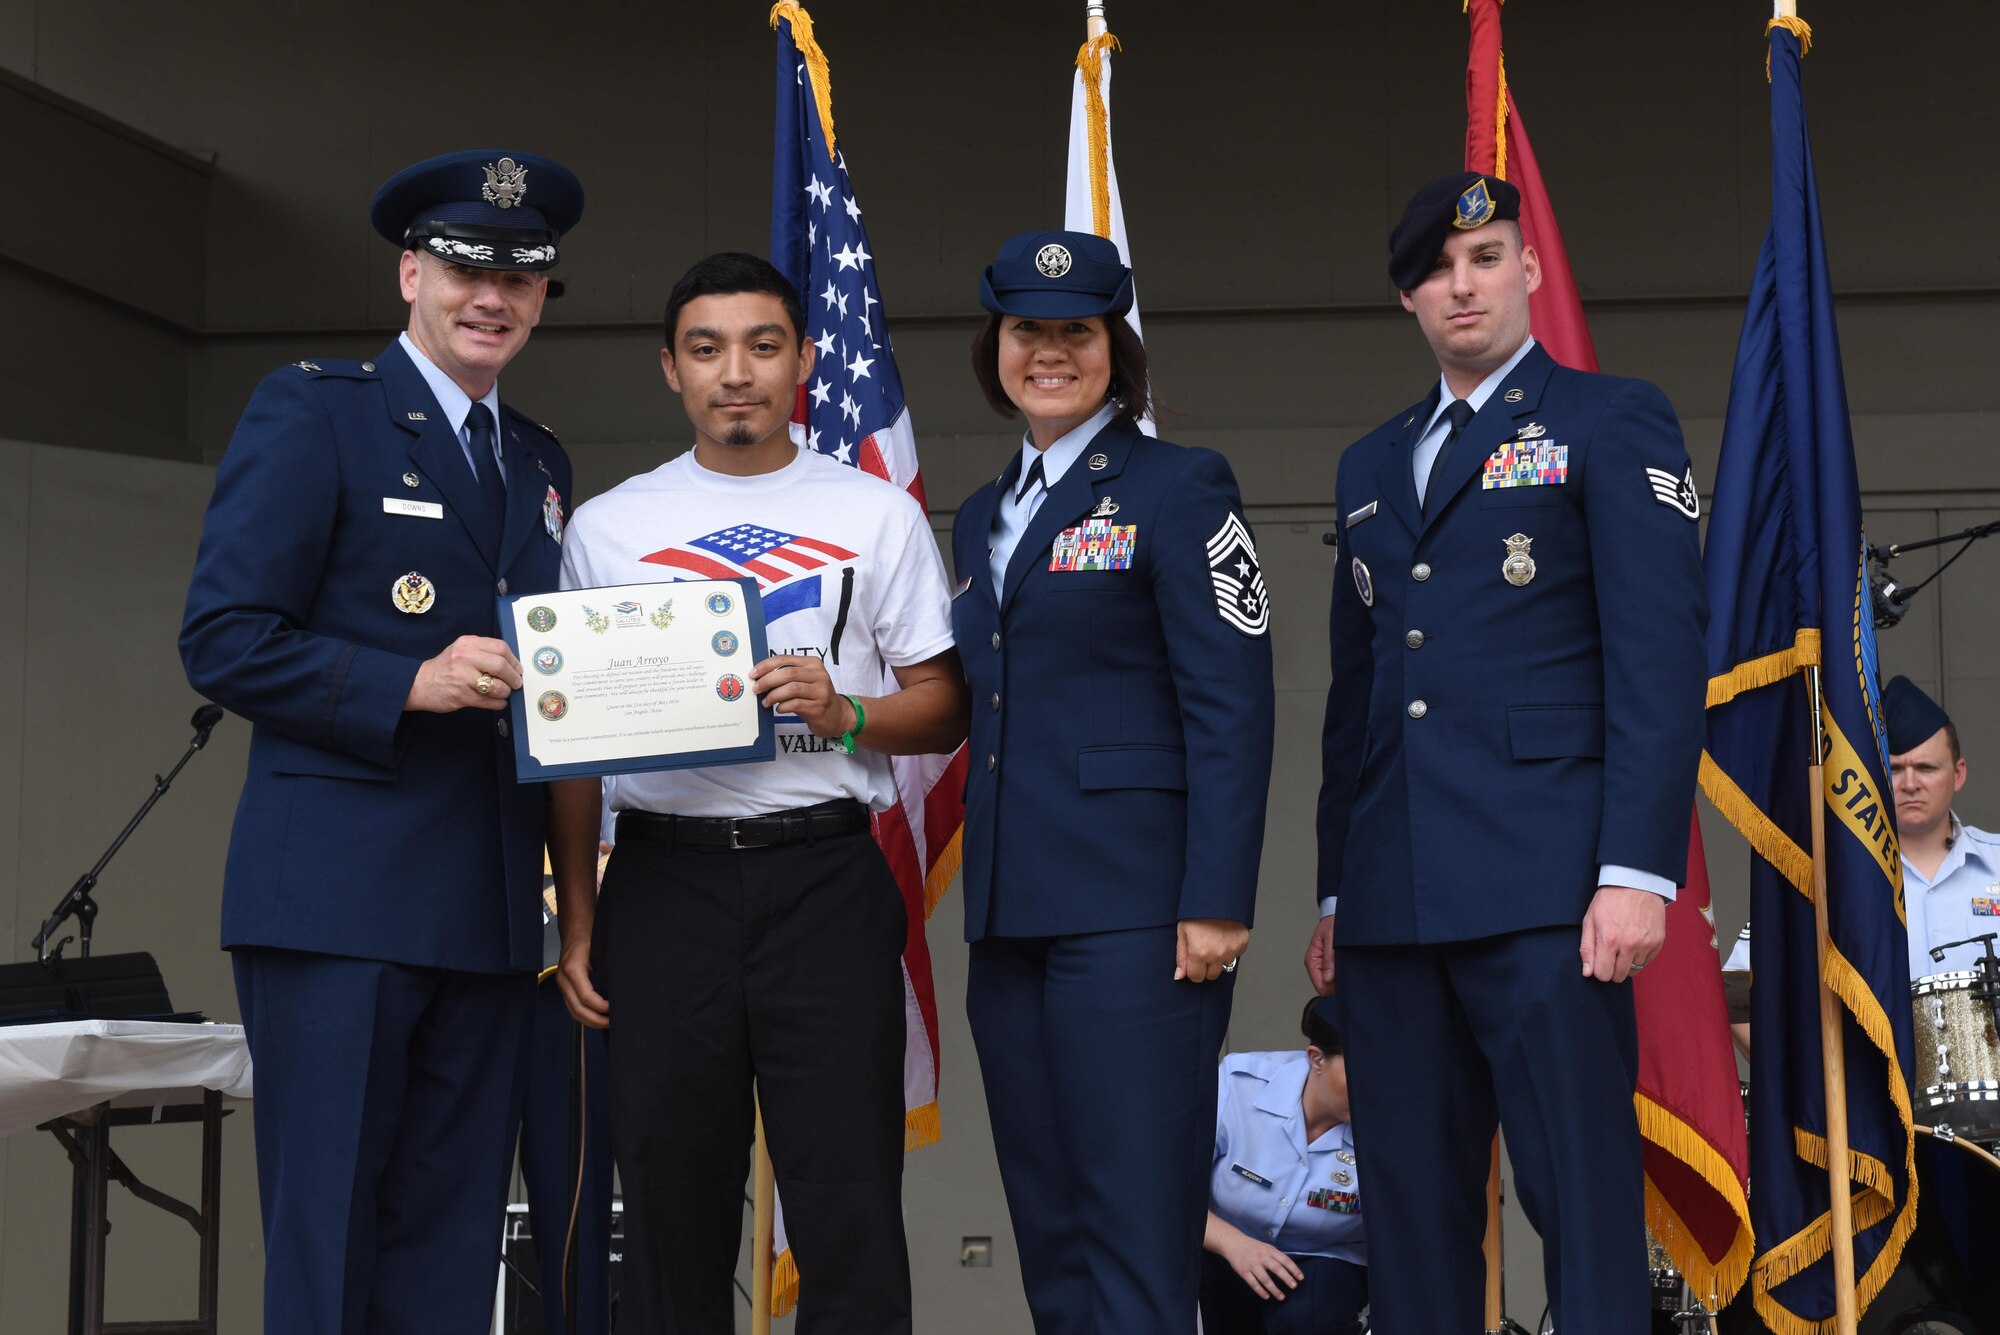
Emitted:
<point x="529" y="770"/>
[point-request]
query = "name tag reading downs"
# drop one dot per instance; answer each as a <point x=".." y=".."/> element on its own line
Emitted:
<point x="397" y="505"/>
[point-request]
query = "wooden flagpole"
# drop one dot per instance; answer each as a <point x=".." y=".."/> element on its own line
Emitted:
<point x="1094" y="24"/>
<point x="1493" y="1258"/>
<point x="1833" y="1053"/>
<point x="762" y="1226"/>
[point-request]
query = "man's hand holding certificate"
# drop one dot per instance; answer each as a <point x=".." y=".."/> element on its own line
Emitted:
<point x="637" y="677"/>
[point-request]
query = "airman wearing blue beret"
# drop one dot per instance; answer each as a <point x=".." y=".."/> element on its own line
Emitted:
<point x="381" y="898"/>
<point x="1509" y="762"/>
<point x="1113" y="623"/>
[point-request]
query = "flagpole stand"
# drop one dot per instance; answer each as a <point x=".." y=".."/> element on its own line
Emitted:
<point x="1833" y="1052"/>
<point x="762" y="1226"/>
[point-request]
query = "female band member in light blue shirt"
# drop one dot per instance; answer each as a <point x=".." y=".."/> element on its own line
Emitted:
<point x="1284" y="1245"/>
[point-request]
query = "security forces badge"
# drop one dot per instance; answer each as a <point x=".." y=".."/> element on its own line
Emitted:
<point x="1240" y="596"/>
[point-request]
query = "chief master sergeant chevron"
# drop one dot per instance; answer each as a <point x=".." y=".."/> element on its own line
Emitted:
<point x="1509" y="755"/>
<point x="382" y="893"/>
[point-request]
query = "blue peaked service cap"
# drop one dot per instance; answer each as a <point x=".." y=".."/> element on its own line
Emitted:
<point x="485" y="208"/>
<point x="1056" y="275"/>
<point x="1458" y="202"/>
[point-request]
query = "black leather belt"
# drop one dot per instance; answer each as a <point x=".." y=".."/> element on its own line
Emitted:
<point x="827" y="820"/>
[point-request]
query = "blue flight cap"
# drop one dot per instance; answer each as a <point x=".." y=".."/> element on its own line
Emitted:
<point x="1056" y="276"/>
<point x="1911" y="717"/>
<point x="483" y="208"/>
<point x="1458" y="202"/>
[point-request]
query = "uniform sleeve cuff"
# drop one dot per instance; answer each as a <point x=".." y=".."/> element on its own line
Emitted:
<point x="1326" y="905"/>
<point x="1611" y="874"/>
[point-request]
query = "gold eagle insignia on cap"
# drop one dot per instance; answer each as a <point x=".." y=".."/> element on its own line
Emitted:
<point x="1475" y="207"/>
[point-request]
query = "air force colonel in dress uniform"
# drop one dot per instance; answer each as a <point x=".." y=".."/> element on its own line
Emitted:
<point x="1112" y="623"/>
<point x="381" y="896"/>
<point x="1509" y="758"/>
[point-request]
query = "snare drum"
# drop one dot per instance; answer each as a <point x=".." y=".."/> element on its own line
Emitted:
<point x="1958" y="1055"/>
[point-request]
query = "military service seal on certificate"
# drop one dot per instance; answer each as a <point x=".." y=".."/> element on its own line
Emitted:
<point x="627" y="680"/>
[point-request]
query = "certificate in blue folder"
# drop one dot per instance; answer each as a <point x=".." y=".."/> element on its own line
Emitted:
<point x="636" y="677"/>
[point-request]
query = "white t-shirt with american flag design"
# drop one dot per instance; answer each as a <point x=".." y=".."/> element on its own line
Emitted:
<point x="850" y="574"/>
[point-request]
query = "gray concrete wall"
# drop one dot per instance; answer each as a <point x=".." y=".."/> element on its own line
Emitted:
<point x="1261" y="165"/>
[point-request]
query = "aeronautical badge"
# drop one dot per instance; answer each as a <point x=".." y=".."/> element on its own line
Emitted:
<point x="1519" y="567"/>
<point x="1532" y="431"/>
<point x="1342" y="1178"/>
<point x="1345" y="1156"/>
<point x="1240" y="596"/>
<point x="1475" y="207"/>
<point x="307" y="366"/>
<point x="1052" y="260"/>
<point x="552" y="514"/>
<point x="1364" y="583"/>
<point x="1104" y="509"/>
<point x="548" y="660"/>
<point x="506" y="184"/>
<point x="552" y="705"/>
<point x="413" y="593"/>
<point x="1676" y="493"/>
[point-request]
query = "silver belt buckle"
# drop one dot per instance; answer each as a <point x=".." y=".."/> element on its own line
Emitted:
<point x="736" y="843"/>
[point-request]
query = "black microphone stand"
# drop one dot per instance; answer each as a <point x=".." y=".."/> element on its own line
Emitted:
<point x="78" y="903"/>
<point x="1889" y="599"/>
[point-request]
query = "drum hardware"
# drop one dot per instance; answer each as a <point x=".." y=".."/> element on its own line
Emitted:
<point x="1987" y="989"/>
<point x="1957" y="1033"/>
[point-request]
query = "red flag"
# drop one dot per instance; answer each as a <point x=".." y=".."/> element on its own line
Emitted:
<point x="1689" y="1104"/>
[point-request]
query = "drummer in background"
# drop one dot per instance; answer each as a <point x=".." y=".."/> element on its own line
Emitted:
<point x="1284" y="1248"/>
<point x="1951" y="870"/>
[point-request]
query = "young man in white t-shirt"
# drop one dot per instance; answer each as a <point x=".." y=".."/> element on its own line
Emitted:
<point x="750" y="928"/>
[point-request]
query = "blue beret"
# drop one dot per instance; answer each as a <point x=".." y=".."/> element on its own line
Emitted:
<point x="1056" y="276"/>
<point x="1912" y="718"/>
<point x="1458" y="202"/>
<point x="484" y="208"/>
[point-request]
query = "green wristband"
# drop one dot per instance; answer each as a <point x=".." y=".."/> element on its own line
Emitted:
<point x="860" y="722"/>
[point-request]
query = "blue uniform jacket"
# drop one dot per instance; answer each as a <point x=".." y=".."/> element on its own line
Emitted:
<point x="1120" y="752"/>
<point x="1489" y="744"/>
<point x="363" y="830"/>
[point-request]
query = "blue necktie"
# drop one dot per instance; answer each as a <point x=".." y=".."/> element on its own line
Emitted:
<point x="492" y="486"/>
<point x="1460" y="412"/>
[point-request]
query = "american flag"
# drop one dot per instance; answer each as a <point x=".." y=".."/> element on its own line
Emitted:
<point x="852" y="409"/>
<point x="786" y="566"/>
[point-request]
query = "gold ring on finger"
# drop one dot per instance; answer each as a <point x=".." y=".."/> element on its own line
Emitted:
<point x="484" y="685"/>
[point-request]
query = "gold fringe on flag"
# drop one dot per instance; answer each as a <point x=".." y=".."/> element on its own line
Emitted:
<point x="1794" y="25"/>
<point x="921" y="1127"/>
<point x="1722" y="1276"/>
<point x="942" y="870"/>
<point x="1097" y="122"/>
<point x="784" y="1284"/>
<point x="1768" y="670"/>
<point x="816" y="66"/>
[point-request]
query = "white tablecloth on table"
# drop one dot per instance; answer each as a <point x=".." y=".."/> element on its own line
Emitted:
<point x="52" y="1070"/>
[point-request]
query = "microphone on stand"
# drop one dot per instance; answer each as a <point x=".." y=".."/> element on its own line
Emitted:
<point x="204" y="722"/>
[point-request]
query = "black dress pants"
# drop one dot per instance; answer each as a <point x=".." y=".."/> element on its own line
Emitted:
<point x="780" y="966"/>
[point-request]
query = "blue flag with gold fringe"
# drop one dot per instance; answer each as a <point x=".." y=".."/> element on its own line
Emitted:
<point x="1788" y="589"/>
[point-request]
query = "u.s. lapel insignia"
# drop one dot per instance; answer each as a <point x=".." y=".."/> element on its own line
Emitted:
<point x="1532" y="431"/>
<point x="1519" y="567"/>
<point x="1342" y="1178"/>
<point x="412" y="480"/>
<point x="1514" y="396"/>
<point x="413" y="593"/>
<point x="1364" y="583"/>
<point x="1099" y="462"/>
<point x="1104" y="509"/>
<point x="420" y="417"/>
